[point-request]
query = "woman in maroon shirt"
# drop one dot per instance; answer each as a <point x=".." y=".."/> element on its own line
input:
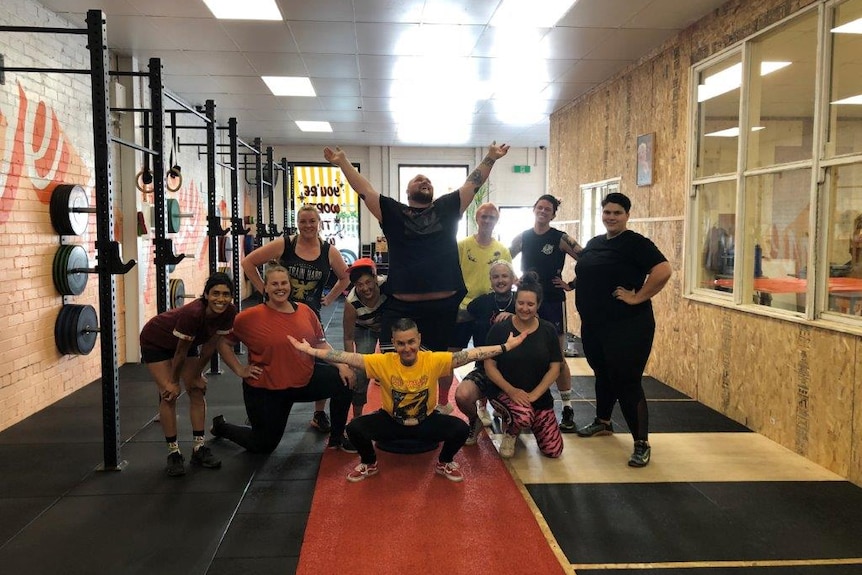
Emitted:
<point x="177" y="344"/>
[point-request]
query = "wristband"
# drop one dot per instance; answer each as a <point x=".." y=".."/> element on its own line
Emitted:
<point x="502" y="348"/>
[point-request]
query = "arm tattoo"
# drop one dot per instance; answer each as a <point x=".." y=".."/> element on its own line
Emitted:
<point x="459" y="357"/>
<point x="570" y="241"/>
<point x="476" y="179"/>
<point x="336" y="356"/>
<point x="489" y="161"/>
<point x="480" y="353"/>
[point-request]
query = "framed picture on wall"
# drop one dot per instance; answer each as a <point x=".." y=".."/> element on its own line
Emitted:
<point x="645" y="146"/>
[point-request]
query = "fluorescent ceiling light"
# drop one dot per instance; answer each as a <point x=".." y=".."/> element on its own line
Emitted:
<point x="289" y="85"/>
<point x="530" y="14"/>
<point x="245" y="10"/>
<point x="854" y="27"/>
<point x="313" y="126"/>
<point x="857" y="100"/>
<point x="730" y="79"/>
<point x="730" y="132"/>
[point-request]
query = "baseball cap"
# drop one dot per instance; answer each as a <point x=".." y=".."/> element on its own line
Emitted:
<point x="362" y="263"/>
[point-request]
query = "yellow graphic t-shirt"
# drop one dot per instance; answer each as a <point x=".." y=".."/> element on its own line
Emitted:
<point x="409" y="393"/>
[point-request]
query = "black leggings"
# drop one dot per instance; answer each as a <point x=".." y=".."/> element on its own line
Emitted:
<point x="268" y="409"/>
<point x="618" y="352"/>
<point x="379" y="426"/>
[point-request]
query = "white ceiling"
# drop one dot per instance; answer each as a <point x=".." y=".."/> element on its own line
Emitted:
<point x="360" y="54"/>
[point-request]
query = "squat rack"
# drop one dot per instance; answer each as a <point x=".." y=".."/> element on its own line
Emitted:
<point x="108" y="258"/>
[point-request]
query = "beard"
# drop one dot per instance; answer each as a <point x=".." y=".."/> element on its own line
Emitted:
<point x="420" y="196"/>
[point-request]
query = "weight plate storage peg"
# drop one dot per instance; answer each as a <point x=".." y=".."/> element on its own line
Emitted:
<point x="76" y="329"/>
<point x="70" y="210"/>
<point x="71" y="270"/>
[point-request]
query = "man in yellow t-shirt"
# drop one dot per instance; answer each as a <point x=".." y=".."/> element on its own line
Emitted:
<point x="408" y="390"/>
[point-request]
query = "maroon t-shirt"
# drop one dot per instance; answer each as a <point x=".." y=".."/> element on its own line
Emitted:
<point x="189" y="322"/>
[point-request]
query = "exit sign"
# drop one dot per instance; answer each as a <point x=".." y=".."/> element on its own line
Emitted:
<point x="521" y="169"/>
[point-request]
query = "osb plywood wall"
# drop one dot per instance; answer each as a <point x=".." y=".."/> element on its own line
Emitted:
<point x="791" y="382"/>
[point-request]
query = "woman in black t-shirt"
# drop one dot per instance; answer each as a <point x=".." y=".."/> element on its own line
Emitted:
<point x="617" y="274"/>
<point x="522" y="378"/>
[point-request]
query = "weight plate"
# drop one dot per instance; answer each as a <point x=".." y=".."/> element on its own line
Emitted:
<point x="76" y="281"/>
<point x="59" y="210"/>
<point x="63" y="328"/>
<point x="78" y="200"/>
<point x="177" y="293"/>
<point x="69" y="210"/>
<point x="173" y="216"/>
<point x="86" y="330"/>
<point x="58" y="271"/>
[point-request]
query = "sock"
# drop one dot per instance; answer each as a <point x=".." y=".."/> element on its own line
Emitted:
<point x="199" y="439"/>
<point x="566" y="396"/>
<point x="173" y="446"/>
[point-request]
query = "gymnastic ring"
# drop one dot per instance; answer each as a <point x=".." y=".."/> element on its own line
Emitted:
<point x="175" y="173"/>
<point x="140" y="183"/>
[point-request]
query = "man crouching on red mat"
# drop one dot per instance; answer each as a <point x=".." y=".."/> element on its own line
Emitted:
<point x="408" y="389"/>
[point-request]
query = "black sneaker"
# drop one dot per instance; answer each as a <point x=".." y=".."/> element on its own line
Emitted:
<point x="476" y="427"/>
<point x="175" y="466"/>
<point x="567" y="423"/>
<point x="596" y="428"/>
<point x="204" y="457"/>
<point x="343" y="443"/>
<point x="218" y="422"/>
<point x="320" y="422"/>
<point x="640" y="456"/>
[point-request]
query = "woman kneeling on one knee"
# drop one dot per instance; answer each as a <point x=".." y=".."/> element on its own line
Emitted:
<point x="523" y="378"/>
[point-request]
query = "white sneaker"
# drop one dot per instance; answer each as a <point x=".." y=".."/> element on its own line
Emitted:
<point x="484" y="416"/>
<point x="445" y="409"/>
<point x="507" y="446"/>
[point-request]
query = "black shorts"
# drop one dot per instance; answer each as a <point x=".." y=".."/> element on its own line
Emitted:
<point x="157" y="354"/>
<point x="483" y="382"/>
<point x="554" y="312"/>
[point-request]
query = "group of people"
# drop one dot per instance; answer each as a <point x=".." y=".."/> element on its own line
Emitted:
<point x="438" y="296"/>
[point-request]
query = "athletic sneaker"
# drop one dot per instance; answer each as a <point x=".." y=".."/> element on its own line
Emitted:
<point x="484" y="416"/>
<point x="218" y="422"/>
<point x="204" y="457"/>
<point x="175" y="466"/>
<point x="567" y="423"/>
<point x="640" y="456"/>
<point x="444" y="409"/>
<point x="451" y="471"/>
<point x="320" y="422"/>
<point x="476" y="428"/>
<point x="507" y="446"/>
<point x="362" y="471"/>
<point x="596" y="428"/>
<point x="344" y="444"/>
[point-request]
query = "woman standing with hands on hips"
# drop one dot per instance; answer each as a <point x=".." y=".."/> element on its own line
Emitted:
<point x="617" y="275"/>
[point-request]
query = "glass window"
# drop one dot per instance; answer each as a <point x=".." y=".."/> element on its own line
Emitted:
<point x="718" y="94"/>
<point x="778" y="207"/>
<point x="781" y="94"/>
<point x="845" y="98"/>
<point x="591" y="208"/>
<point x="715" y="232"/>
<point x="845" y="239"/>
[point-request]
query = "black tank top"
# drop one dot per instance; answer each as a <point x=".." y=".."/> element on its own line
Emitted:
<point x="307" y="278"/>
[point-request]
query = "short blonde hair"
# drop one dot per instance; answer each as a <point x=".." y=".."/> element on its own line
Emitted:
<point x="487" y="206"/>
